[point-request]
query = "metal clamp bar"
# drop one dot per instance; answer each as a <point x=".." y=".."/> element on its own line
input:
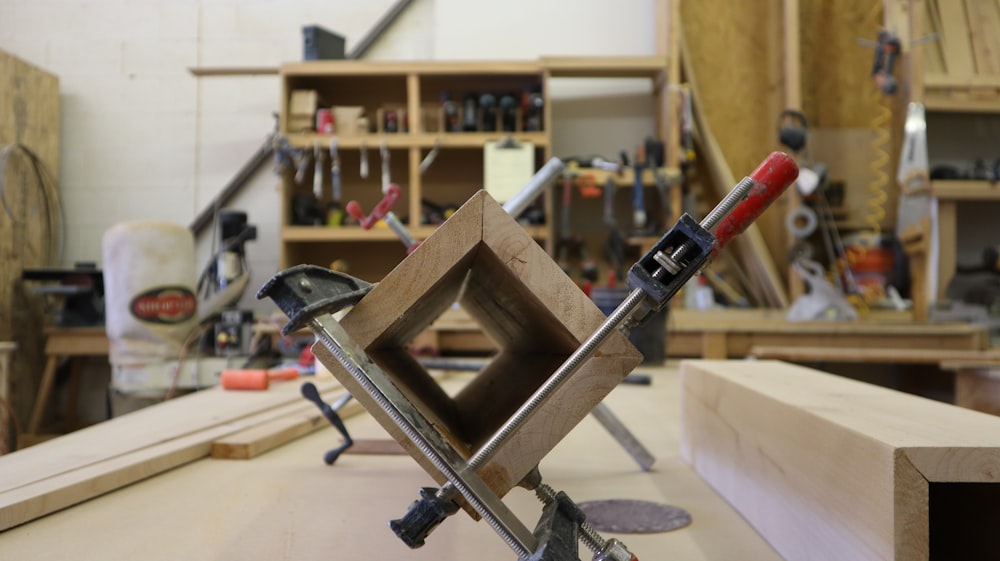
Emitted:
<point x="460" y="474"/>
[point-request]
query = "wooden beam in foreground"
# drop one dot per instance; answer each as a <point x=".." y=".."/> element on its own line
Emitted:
<point x="829" y="468"/>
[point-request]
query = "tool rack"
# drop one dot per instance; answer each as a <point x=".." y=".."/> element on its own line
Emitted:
<point x="457" y="172"/>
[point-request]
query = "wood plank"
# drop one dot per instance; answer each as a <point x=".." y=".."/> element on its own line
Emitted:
<point x="862" y="489"/>
<point x="933" y="57"/>
<point x="947" y="231"/>
<point x="605" y="67"/>
<point x="792" y="59"/>
<point x="84" y="476"/>
<point x="142" y="429"/>
<point x="954" y="39"/>
<point x="381" y="67"/>
<point x="256" y="440"/>
<point x="77" y="341"/>
<point x="376" y="446"/>
<point x="201" y="71"/>
<point x="288" y="504"/>
<point x="262" y="438"/>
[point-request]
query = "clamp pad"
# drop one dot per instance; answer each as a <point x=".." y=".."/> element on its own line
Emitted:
<point x="306" y="291"/>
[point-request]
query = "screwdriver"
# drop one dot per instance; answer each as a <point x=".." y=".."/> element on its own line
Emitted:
<point x="255" y="379"/>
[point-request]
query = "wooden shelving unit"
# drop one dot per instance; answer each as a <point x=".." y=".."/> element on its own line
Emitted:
<point x="457" y="172"/>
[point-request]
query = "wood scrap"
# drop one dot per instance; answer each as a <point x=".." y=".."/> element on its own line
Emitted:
<point x="254" y="441"/>
<point x="147" y="427"/>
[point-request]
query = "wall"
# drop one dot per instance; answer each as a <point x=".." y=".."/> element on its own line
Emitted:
<point x="144" y="139"/>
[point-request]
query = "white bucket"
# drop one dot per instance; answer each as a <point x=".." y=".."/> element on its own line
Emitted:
<point x="149" y="284"/>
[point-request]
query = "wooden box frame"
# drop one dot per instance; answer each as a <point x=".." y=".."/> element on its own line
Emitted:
<point x="536" y="314"/>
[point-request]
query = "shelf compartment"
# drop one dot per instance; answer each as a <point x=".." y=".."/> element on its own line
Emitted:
<point x="320" y="234"/>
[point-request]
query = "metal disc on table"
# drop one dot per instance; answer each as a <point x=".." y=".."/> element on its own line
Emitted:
<point x="626" y="516"/>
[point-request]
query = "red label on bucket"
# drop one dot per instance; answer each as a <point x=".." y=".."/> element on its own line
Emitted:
<point x="166" y="304"/>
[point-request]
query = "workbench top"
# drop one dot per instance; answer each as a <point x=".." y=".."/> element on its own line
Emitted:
<point x="287" y="504"/>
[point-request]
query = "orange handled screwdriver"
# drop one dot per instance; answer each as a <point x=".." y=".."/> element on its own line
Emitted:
<point x="256" y="380"/>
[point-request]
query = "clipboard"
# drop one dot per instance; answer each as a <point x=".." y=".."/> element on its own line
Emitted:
<point x="507" y="166"/>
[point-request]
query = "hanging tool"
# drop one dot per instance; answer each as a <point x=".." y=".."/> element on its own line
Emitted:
<point x="363" y="169"/>
<point x="383" y="151"/>
<point x="914" y="174"/>
<point x="508" y="112"/>
<point x="469" y="116"/>
<point x="318" y="171"/>
<point x="792" y="129"/>
<point x="488" y="111"/>
<point x="450" y="114"/>
<point x="428" y="160"/>
<point x="533" y="105"/>
<point x="307" y="294"/>
<point x="335" y="214"/>
<point x="638" y="192"/>
<point x="382" y="211"/>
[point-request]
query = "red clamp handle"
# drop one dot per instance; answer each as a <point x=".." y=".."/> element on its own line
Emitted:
<point x="381" y="209"/>
<point x="770" y="180"/>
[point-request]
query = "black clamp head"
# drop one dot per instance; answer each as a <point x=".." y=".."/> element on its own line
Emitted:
<point x="306" y="291"/>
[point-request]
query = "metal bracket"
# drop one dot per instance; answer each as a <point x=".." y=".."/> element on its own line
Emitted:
<point x="304" y="292"/>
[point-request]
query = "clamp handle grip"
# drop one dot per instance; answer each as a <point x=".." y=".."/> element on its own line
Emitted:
<point x="770" y="180"/>
<point x="383" y="208"/>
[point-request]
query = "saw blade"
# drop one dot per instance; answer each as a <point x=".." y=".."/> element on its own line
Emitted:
<point x="913" y="176"/>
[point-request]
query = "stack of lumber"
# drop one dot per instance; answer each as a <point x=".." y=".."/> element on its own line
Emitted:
<point x="224" y="424"/>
